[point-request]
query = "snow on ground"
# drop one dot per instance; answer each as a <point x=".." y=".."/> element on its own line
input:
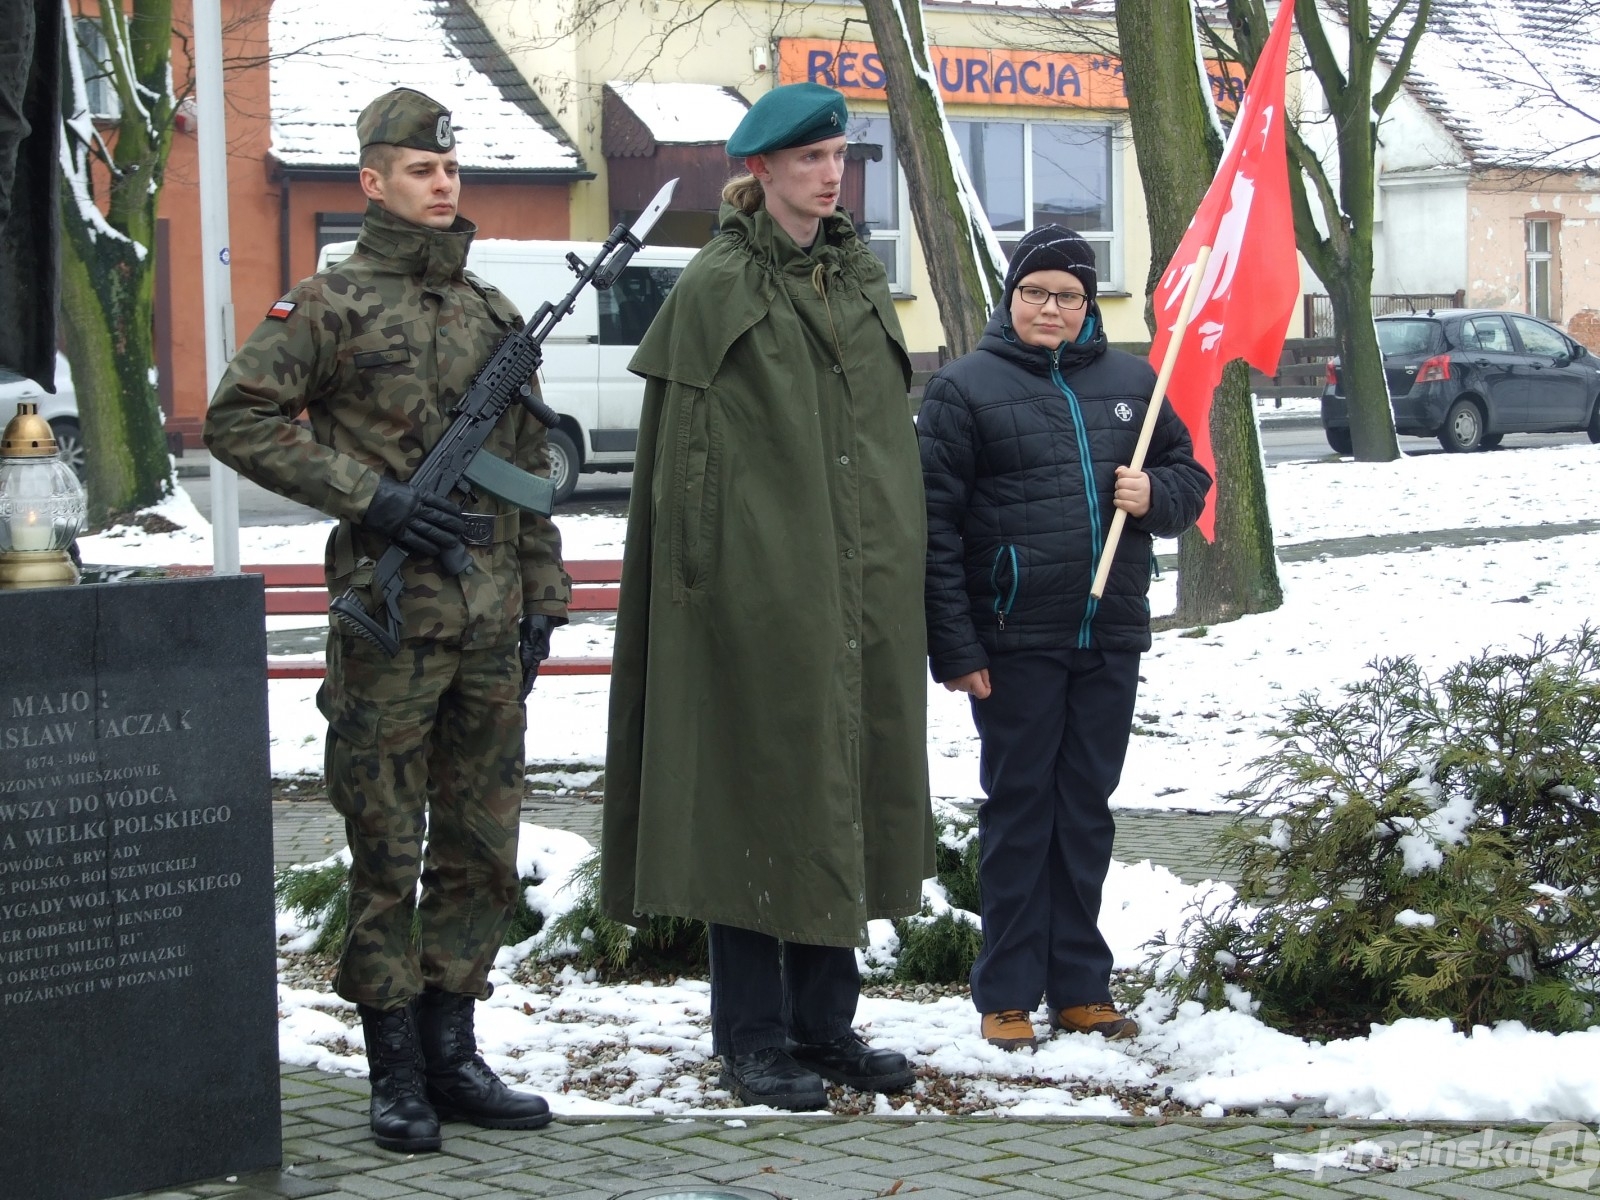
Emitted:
<point x="1204" y="709"/>
<point x="595" y="1049"/>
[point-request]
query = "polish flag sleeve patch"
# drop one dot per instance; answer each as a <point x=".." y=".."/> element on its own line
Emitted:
<point x="281" y="310"/>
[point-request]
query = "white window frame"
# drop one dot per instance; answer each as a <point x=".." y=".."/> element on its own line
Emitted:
<point x="1113" y="237"/>
<point x="900" y="279"/>
<point x="99" y="90"/>
<point x="1540" y="301"/>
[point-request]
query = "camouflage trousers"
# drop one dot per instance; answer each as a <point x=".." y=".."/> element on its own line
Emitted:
<point x="425" y="763"/>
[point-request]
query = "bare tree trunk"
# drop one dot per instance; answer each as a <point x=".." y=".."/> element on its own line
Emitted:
<point x="1238" y="573"/>
<point x="1366" y="386"/>
<point x="1178" y="151"/>
<point x="963" y="258"/>
<point x="1177" y="144"/>
<point x="107" y="311"/>
<point x="108" y="268"/>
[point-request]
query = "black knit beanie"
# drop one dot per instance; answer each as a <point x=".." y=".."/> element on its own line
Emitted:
<point x="1051" y="248"/>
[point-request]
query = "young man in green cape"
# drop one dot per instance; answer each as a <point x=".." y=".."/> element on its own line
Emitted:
<point x="767" y="762"/>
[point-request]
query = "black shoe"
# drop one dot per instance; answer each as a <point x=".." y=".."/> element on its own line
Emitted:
<point x="771" y="1077"/>
<point x="460" y="1084"/>
<point x="850" y="1061"/>
<point x="402" y="1119"/>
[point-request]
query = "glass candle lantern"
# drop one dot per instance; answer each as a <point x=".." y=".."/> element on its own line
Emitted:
<point x="42" y="505"/>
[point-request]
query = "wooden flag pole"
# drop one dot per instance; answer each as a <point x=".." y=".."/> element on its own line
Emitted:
<point x="1148" y="430"/>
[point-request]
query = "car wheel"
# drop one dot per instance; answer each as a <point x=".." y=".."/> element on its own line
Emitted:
<point x="1339" y="439"/>
<point x="564" y="464"/>
<point x="1594" y="424"/>
<point x="1490" y="440"/>
<point x="69" y="441"/>
<point x="1463" y="428"/>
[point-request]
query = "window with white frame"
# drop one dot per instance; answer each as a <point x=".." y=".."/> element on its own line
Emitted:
<point x="884" y="214"/>
<point x="94" y="56"/>
<point x="1541" y="288"/>
<point x="1031" y="173"/>
<point x="335" y="227"/>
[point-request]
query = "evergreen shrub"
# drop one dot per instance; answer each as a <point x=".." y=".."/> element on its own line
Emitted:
<point x="939" y="944"/>
<point x="1419" y="848"/>
<point x="319" y="896"/>
<point x="669" y="945"/>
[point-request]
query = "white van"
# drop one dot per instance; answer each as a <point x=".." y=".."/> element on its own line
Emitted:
<point x="585" y="376"/>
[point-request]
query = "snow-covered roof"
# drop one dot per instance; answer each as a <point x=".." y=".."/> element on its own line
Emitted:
<point x="1516" y="82"/>
<point x="331" y="57"/>
<point x="683" y="114"/>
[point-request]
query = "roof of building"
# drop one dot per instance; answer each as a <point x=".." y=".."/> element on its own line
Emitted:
<point x="1516" y="82"/>
<point x="329" y="59"/>
<point x="683" y="114"/>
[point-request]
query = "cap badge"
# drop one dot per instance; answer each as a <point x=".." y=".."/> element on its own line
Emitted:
<point x="442" y="134"/>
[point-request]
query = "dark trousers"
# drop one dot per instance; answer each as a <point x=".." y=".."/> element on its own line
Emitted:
<point x="765" y="992"/>
<point x="1054" y="733"/>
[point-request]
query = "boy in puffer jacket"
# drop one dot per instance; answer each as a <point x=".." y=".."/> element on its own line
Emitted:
<point x="1025" y="448"/>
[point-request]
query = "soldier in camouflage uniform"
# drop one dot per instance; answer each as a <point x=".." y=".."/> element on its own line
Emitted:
<point x="375" y="351"/>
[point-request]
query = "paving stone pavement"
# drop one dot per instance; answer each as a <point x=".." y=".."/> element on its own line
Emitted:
<point x="327" y="1153"/>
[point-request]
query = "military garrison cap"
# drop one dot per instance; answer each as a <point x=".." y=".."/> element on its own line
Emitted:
<point x="796" y="114"/>
<point x="407" y="118"/>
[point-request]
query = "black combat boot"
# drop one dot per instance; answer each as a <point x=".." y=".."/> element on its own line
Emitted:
<point x="402" y="1118"/>
<point x="460" y="1084"/>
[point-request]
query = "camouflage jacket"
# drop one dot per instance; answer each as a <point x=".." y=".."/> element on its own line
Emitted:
<point x="374" y="352"/>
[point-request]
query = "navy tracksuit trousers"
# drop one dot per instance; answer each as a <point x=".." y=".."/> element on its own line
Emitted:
<point x="1054" y="732"/>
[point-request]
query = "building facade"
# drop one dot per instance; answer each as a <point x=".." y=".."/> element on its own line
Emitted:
<point x="1488" y="163"/>
<point x="1044" y="132"/>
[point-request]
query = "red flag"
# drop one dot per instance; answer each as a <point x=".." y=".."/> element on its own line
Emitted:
<point x="1249" y="289"/>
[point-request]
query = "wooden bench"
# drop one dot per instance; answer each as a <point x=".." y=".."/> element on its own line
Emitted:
<point x="297" y="589"/>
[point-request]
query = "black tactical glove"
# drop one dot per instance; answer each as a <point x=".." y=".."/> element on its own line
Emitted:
<point x="421" y="525"/>
<point x="533" y="648"/>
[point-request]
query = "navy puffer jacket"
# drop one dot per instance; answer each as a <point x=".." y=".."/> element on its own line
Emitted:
<point x="1020" y="447"/>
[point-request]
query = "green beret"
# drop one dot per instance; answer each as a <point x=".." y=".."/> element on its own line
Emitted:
<point x="796" y="114"/>
<point x="406" y="118"/>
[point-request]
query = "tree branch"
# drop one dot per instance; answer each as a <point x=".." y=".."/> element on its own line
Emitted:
<point x="1324" y="62"/>
<point x="1402" y="65"/>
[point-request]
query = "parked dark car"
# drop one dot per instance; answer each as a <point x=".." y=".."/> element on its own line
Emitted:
<point x="1470" y="376"/>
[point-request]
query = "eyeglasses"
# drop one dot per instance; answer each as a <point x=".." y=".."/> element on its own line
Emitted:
<point x="1066" y="301"/>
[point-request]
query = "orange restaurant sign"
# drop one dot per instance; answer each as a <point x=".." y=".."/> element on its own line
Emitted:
<point x="971" y="75"/>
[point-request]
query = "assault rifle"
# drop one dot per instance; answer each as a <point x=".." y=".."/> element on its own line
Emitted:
<point x="459" y="460"/>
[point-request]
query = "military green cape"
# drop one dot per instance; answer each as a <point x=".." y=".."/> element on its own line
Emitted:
<point x="767" y="758"/>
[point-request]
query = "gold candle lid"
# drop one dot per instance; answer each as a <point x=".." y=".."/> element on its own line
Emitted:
<point x="28" y="435"/>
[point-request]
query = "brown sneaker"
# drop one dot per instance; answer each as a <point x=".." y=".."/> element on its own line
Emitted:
<point x="1010" y="1030"/>
<point x="1102" y="1018"/>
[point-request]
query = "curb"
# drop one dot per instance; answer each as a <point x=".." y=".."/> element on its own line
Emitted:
<point x="1271" y="420"/>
